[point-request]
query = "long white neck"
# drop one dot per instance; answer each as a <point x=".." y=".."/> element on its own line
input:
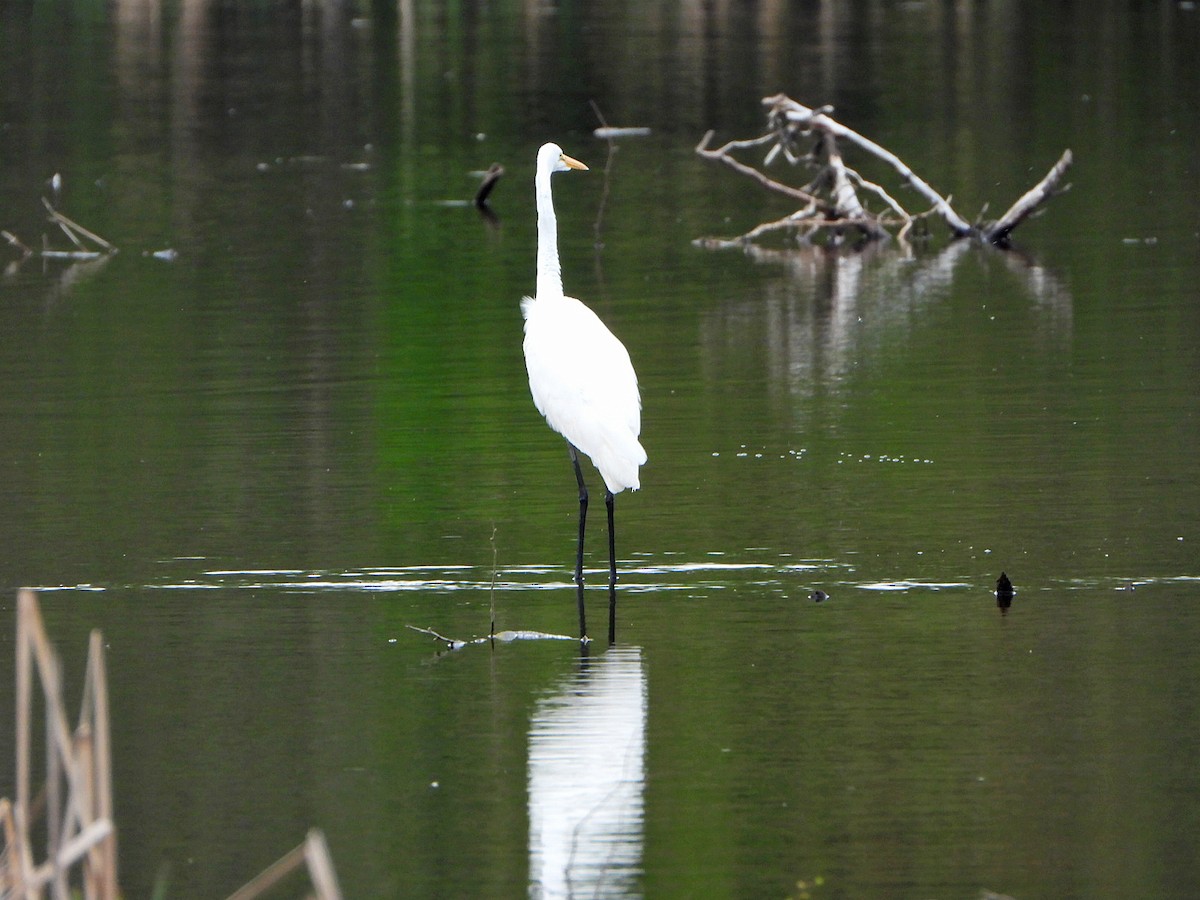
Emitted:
<point x="549" y="274"/>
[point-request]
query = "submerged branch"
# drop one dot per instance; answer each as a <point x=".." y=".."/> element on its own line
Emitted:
<point x="834" y="197"/>
<point x="503" y="637"/>
<point x="1031" y="201"/>
<point x="787" y="114"/>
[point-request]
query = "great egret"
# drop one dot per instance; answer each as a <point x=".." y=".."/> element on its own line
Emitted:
<point x="581" y="379"/>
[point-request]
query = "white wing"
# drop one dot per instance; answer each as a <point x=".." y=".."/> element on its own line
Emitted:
<point x="583" y="382"/>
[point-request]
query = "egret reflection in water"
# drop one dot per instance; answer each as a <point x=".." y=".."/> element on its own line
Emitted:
<point x="587" y="758"/>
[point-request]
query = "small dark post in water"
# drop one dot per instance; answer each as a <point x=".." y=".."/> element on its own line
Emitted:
<point x="490" y="177"/>
<point x="818" y="596"/>
<point x="1004" y="592"/>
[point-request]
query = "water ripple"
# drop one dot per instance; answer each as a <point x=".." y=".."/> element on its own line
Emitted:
<point x="641" y="576"/>
<point x="912" y="586"/>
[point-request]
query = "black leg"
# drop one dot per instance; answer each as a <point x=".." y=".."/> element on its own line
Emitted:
<point x="612" y="570"/>
<point x="583" y="503"/>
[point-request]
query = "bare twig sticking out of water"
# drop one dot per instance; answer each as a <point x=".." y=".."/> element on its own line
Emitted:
<point x="609" y="135"/>
<point x="15" y="241"/>
<point x="1032" y="200"/>
<point x="492" y="593"/>
<point x="599" y="115"/>
<point x="493" y="635"/>
<point x="832" y="200"/>
<point x="451" y="643"/>
<point x="598" y="227"/>
<point x="75" y="233"/>
<point x="313" y="854"/>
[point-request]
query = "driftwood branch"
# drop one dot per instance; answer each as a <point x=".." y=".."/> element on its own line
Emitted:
<point x="76" y="234"/>
<point x="608" y="132"/>
<point x="504" y="637"/>
<point x="1031" y="201"/>
<point x="722" y="154"/>
<point x="834" y="199"/>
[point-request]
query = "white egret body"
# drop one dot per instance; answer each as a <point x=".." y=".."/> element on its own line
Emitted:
<point x="580" y="376"/>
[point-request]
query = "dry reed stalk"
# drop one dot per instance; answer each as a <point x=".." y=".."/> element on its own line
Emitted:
<point x="313" y="853"/>
<point x="80" y="829"/>
<point x="79" y="825"/>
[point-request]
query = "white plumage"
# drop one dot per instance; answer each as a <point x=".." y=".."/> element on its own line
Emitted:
<point x="583" y="383"/>
<point x="581" y="378"/>
<point x="580" y="374"/>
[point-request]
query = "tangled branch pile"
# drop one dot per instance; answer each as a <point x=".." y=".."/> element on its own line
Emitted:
<point x="836" y="199"/>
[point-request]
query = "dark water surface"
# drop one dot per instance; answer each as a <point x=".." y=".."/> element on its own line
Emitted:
<point x="255" y="464"/>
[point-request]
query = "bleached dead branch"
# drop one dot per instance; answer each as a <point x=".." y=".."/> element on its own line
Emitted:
<point x="504" y="637"/>
<point x="75" y="233"/>
<point x="834" y="199"/>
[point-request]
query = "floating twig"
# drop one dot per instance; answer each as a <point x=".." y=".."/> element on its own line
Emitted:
<point x="608" y="132"/>
<point x="492" y="592"/>
<point x="70" y="254"/>
<point x="503" y="637"/>
<point x="450" y="642"/>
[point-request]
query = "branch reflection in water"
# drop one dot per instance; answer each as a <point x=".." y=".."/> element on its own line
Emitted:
<point x="835" y="307"/>
<point x="587" y="764"/>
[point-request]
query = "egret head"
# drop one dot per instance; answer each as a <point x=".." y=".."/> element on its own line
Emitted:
<point x="552" y="159"/>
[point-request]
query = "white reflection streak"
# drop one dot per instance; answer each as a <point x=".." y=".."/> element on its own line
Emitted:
<point x="587" y="750"/>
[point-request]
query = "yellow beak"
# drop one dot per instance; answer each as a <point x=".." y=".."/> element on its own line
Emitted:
<point x="572" y="163"/>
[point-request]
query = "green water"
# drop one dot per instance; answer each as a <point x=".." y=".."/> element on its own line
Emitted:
<point x="253" y="466"/>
